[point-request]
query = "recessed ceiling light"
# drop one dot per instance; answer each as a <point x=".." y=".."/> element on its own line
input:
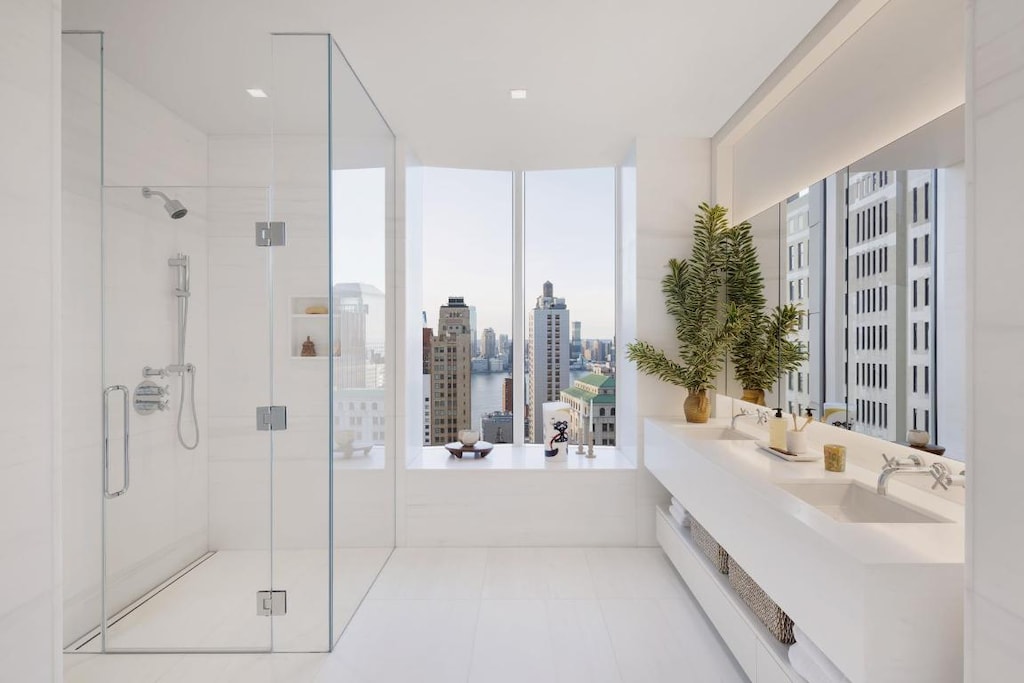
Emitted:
<point x="256" y="92"/>
<point x="517" y="94"/>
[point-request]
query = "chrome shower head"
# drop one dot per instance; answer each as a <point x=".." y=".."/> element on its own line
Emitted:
<point x="173" y="207"/>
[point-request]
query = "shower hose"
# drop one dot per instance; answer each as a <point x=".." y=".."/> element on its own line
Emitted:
<point x="190" y="374"/>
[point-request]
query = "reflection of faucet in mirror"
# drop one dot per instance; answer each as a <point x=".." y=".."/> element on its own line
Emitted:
<point x="945" y="478"/>
<point x="761" y="416"/>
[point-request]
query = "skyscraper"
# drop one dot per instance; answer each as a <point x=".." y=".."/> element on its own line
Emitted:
<point x="547" y="357"/>
<point x="506" y="395"/>
<point x="576" y="342"/>
<point x="474" y="339"/>
<point x="490" y="345"/>
<point x="428" y="362"/>
<point x="450" y="404"/>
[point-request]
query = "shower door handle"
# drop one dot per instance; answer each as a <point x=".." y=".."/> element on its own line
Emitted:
<point x="107" y="493"/>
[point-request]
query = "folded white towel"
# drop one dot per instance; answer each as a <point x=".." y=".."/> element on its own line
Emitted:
<point x="802" y="662"/>
<point x="677" y="514"/>
<point x="830" y="671"/>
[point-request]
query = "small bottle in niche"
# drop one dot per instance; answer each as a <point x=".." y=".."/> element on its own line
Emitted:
<point x="308" y="348"/>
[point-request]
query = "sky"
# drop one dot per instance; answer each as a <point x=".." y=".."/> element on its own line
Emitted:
<point x="569" y="225"/>
<point x="358" y="223"/>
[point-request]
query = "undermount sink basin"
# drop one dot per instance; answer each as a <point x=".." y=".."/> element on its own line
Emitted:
<point x="851" y="501"/>
<point x="715" y="434"/>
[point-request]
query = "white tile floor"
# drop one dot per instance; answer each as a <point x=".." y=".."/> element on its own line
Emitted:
<point x="484" y="616"/>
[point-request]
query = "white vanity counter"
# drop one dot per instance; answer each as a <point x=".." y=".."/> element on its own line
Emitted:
<point x="882" y="600"/>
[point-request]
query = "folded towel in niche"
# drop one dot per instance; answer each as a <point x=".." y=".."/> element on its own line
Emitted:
<point x="802" y="662"/>
<point x="821" y="662"/>
<point x="679" y="514"/>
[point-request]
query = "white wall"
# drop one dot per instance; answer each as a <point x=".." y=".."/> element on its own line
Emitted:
<point x="995" y="165"/>
<point x="30" y="581"/>
<point x="673" y="176"/>
<point x="160" y="524"/>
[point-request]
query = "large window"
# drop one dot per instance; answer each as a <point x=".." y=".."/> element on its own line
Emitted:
<point x="468" y="247"/>
<point x="569" y="278"/>
<point x="564" y="251"/>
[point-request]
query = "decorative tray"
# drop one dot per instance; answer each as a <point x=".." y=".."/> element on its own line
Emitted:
<point x="786" y="455"/>
<point x="480" y="448"/>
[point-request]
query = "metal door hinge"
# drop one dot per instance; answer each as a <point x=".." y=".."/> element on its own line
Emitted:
<point x="270" y="234"/>
<point x="271" y="603"/>
<point x="271" y="418"/>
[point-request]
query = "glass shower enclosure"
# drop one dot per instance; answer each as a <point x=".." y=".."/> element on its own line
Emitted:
<point x="241" y="368"/>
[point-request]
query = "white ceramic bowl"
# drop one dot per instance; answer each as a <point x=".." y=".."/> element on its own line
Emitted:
<point x="468" y="437"/>
<point x="917" y="437"/>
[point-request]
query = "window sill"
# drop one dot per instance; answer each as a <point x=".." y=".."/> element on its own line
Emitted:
<point x="527" y="457"/>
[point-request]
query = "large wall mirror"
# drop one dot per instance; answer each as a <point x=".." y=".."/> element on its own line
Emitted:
<point x="874" y="257"/>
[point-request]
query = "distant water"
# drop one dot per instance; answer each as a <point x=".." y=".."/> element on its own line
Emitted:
<point x="486" y="392"/>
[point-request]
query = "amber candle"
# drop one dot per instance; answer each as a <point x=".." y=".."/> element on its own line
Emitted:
<point x="835" y="457"/>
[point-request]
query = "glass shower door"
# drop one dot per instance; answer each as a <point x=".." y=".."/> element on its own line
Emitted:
<point x="187" y="359"/>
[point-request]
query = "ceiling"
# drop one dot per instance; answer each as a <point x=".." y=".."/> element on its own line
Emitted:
<point x="598" y="72"/>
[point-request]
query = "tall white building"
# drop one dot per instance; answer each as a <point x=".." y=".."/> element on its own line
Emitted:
<point x="799" y="284"/>
<point x="891" y="290"/>
<point x="920" y="381"/>
<point x="490" y="343"/>
<point x="547" y="358"/>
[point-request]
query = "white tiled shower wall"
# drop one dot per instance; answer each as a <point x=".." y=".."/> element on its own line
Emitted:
<point x="160" y="525"/>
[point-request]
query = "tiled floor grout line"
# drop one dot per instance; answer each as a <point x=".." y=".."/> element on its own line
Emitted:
<point x="604" y="618"/>
<point x="476" y="623"/>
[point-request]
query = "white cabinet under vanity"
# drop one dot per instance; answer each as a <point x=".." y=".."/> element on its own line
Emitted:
<point x="881" y="599"/>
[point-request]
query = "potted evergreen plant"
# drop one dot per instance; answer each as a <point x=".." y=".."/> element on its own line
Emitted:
<point x="764" y="348"/>
<point x="705" y="324"/>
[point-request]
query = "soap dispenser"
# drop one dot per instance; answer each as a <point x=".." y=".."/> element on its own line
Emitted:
<point x="777" y="427"/>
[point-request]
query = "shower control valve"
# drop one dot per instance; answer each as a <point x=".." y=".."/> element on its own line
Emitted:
<point x="150" y="389"/>
<point x="149" y="398"/>
<point x="153" y="372"/>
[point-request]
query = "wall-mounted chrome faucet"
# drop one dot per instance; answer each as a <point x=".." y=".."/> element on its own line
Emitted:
<point x="912" y="464"/>
<point x="761" y="416"/>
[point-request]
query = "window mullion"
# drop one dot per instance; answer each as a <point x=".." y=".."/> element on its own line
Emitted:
<point x="518" y="311"/>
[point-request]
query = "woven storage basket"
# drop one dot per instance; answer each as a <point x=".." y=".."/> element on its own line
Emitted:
<point x="771" y="615"/>
<point x="709" y="546"/>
